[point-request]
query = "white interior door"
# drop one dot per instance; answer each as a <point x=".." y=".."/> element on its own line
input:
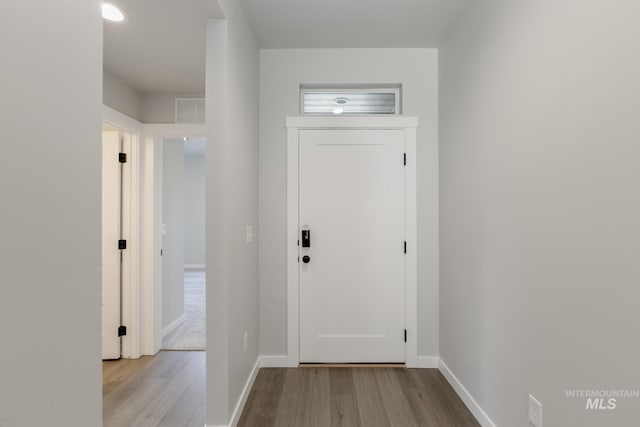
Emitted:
<point x="351" y="199"/>
<point x="111" y="265"/>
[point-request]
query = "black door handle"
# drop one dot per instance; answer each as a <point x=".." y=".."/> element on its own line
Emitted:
<point x="306" y="259"/>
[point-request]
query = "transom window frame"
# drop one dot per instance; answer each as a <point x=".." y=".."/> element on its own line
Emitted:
<point x="345" y="89"/>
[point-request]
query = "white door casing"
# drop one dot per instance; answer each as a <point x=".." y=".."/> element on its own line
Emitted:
<point x="130" y="133"/>
<point x="352" y="289"/>
<point x="111" y="215"/>
<point x="321" y="325"/>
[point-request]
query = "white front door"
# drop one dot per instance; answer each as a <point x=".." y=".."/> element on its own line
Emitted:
<point x="351" y="200"/>
<point x="111" y="214"/>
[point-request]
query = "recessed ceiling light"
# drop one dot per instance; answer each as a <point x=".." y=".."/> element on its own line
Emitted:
<point x="112" y="13"/>
<point x="338" y="110"/>
<point x="185" y="138"/>
<point x="342" y="101"/>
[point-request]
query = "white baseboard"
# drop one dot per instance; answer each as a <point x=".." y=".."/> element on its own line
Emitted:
<point x="262" y="362"/>
<point x="195" y="267"/>
<point x="166" y="331"/>
<point x="424" y="362"/>
<point x="237" y="412"/>
<point x="466" y="397"/>
<point x="273" y="362"/>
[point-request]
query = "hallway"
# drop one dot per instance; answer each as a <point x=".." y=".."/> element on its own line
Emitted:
<point x="168" y="390"/>
<point x="191" y="334"/>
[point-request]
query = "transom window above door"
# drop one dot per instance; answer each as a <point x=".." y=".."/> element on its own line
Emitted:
<point x="350" y="100"/>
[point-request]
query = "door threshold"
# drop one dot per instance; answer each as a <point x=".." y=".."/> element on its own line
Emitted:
<point x="352" y="365"/>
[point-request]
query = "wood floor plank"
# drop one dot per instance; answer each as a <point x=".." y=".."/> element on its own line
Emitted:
<point x="165" y="390"/>
<point x="305" y="399"/>
<point x="124" y="414"/>
<point x="168" y="390"/>
<point x="344" y="411"/>
<point x="186" y="407"/>
<point x="369" y="399"/>
<point x="115" y="372"/>
<point x="425" y="404"/>
<point x="153" y="413"/>
<point x="290" y="407"/>
<point x="317" y="402"/>
<point x="446" y="402"/>
<point x="199" y="419"/>
<point x="344" y="408"/>
<point x="395" y="401"/>
<point x="264" y="398"/>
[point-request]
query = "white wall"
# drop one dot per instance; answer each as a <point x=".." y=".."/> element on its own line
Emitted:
<point x="281" y="73"/>
<point x="121" y="96"/>
<point x="51" y="85"/>
<point x="161" y="107"/>
<point x="194" y="210"/>
<point x="232" y="204"/>
<point x="540" y="207"/>
<point x="144" y="107"/>
<point x="173" y="241"/>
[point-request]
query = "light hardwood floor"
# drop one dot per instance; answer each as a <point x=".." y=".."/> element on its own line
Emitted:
<point x="166" y="390"/>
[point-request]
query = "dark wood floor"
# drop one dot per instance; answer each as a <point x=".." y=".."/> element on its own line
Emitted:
<point x="367" y="397"/>
<point x="168" y="390"/>
<point x="165" y="390"/>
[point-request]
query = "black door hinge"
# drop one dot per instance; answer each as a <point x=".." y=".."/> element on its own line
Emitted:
<point x="122" y="244"/>
<point x="405" y="335"/>
<point x="405" y="159"/>
<point x="122" y="157"/>
<point x="405" y="246"/>
<point x="122" y="331"/>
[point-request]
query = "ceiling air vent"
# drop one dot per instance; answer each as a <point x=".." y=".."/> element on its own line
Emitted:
<point x="190" y="110"/>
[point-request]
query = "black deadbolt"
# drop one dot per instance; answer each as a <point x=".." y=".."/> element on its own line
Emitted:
<point x="306" y="259"/>
<point x="306" y="238"/>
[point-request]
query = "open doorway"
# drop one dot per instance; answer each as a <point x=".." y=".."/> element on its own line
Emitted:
<point x="183" y="244"/>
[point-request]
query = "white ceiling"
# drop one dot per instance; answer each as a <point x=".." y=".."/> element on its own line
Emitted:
<point x="160" y="48"/>
<point x="350" y="23"/>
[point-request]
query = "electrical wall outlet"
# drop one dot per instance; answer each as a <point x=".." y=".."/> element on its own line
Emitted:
<point x="535" y="412"/>
<point x="249" y="238"/>
<point x="245" y="342"/>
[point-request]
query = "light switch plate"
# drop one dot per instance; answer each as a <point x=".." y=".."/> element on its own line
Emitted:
<point x="249" y="237"/>
<point x="535" y="412"/>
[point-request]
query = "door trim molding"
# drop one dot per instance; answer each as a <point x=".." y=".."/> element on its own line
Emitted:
<point x="133" y="131"/>
<point x="294" y="125"/>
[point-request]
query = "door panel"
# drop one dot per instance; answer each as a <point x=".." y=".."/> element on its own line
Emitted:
<point x="352" y="290"/>
<point x="111" y="200"/>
